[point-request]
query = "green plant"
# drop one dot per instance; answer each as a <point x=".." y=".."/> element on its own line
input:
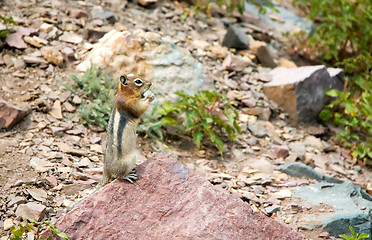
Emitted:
<point x="153" y="124"/>
<point x="5" y="32"/>
<point x="231" y="5"/>
<point x="203" y="114"/>
<point x="356" y="109"/>
<point x="97" y="91"/>
<point x="343" y="38"/>
<point x="23" y="231"/>
<point x="344" y="29"/>
<point x="354" y="236"/>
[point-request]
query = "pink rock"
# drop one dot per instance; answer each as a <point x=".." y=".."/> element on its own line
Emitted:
<point x="250" y="102"/>
<point x="15" y="40"/>
<point x="30" y="211"/>
<point x="10" y="115"/>
<point x="281" y="151"/>
<point x="26" y="31"/>
<point x="78" y="13"/>
<point x="52" y="180"/>
<point x="168" y="201"/>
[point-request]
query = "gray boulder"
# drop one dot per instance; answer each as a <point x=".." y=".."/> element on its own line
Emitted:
<point x="346" y="205"/>
<point x="301" y="91"/>
<point x="265" y="57"/>
<point x="297" y="169"/>
<point x="236" y="38"/>
<point x="149" y="55"/>
<point x="343" y="204"/>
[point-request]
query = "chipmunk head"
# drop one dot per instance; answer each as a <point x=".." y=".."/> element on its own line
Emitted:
<point x="131" y="86"/>
<point x="133" y="95"/>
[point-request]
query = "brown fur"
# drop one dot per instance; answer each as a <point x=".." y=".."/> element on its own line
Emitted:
<point x="130" y="103"/>
<point x="129" y="98"/>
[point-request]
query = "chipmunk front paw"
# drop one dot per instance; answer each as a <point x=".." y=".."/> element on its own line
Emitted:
<point x="151" y="96"/>
<point x="148" y="95"/>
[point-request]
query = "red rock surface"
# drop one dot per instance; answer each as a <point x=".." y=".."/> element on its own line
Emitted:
<point x="168" y="202"/>
<point x="10" y="115"/>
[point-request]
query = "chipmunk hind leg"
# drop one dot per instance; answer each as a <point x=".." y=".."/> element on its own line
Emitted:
<point x="132" y="176"/>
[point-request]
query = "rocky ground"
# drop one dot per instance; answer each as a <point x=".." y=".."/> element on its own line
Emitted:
<point x="50" y="159"/>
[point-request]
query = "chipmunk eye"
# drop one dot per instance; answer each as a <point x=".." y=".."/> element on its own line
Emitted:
<point x="138" y="82"/>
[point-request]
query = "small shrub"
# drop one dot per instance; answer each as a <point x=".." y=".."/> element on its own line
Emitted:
<point x="238" y="4"/>
<point x="97" y="91"/>
<point x="203" y="114"/>
<point x="230" y="6"/>
<point x="356" y="110"/>
<point x="343" y="31"/>
<point x="354" y="236"/>
<point x="26" y="229"/>
<point x="342" y="37"/>
<point x="153" y="124"/>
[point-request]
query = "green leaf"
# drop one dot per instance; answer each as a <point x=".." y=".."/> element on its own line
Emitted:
<point x="166" y="108"/>
<point x="355" y="136"/>
<point x="230" y="132"/>
<point x="197" y="136"/>
<point x="219" y="144"/>
<point x="360" y="152"/>
<point x="158" y="132"/>
<point x="8" y="20"/>
<point x="349" y="106"/>
<point x="29" y="227"/>
<point x="230" y="116"/>
<point x="364" y="236"/>
<point x="16" y="238"/>
<point x="359" y="80"/>
<point x="18" y="232"/>
<point x="218" y="120"/>
<point x="63" y="235"/>
<point x="237" y="127"/>
<point x="4" y="33"/>
<point x="325" y="114"/>
<point x="168" y="120"/>
<point x="352" y="230"/>
<point x="333" y="93"/>
<point x="191" y="118"/>
<point x="344" y="236"/>
<point x="183" y="16"/>
<point x="209" y="120"/>
<point x="216" y="140"/>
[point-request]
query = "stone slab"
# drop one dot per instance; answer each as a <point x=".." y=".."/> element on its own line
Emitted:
<point x="168" y="202"/>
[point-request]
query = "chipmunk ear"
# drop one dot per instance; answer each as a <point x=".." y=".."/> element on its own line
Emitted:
<point x="124" y="80"/>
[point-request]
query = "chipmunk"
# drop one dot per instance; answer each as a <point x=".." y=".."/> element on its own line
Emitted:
<point x="132" y="99"/>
